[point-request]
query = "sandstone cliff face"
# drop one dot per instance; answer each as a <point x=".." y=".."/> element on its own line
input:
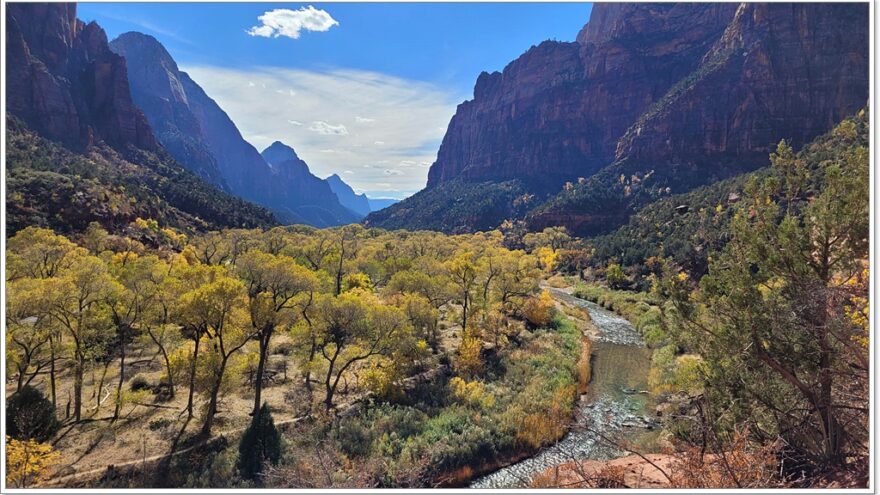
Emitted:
<point x="557" y="111"/>
<point x="65" y="83"/>
<point x="779" y="71"/>
<point x="201" y="136"/>
<point x="685" y="94"/>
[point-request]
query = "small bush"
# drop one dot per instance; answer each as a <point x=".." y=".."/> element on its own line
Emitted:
<point x="159" y="424"/>
<point x="539" y="311"/>
<point x="139" y="383"/>
<point x="29" y="415"/>
<point x="283" y="349"/>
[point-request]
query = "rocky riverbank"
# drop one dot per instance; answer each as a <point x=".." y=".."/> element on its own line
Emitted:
<point x="613" y="410"/>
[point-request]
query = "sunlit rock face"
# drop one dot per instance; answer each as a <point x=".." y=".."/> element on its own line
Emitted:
<point x="684" y="93"/>
<point x="559" y="110"/>
<point x="65" y="83"/>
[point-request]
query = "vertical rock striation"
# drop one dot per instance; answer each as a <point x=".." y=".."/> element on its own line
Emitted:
<point x="65" y="83"/>
<point x="682" y="94"/>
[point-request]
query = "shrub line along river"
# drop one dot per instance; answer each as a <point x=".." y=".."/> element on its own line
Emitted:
<point x="615" y="406"/>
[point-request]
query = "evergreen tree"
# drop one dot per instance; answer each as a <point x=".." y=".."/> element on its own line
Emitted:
<point x="260" y="443"/>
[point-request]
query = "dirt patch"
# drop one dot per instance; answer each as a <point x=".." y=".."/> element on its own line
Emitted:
<point x="631" y="471"/>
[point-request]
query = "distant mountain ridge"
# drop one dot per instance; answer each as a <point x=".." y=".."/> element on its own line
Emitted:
<point x="196" y="130"/>
<point x="652" y="99"/>
<point x="358" y="203"/>
<point x="79" y="150"/>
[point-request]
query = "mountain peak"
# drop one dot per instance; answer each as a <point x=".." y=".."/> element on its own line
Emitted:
<point x="145" y="48"/>
<point x="357" y="203"/>
<point x="279" y="152"/>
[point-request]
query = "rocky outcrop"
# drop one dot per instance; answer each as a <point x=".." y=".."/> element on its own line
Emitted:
<point x="158" y="89"/>
<point x="65" y="83"/>
<point x="557" y="112"/>
<point x="633" y="471"/>
<point x="685" y="94"/>
<point x="358" y="203"/>
<point x="780" y="70"/>
<point x="194" y="129"/>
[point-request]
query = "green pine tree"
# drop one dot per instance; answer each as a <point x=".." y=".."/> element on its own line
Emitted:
<point x="259" y="444"/>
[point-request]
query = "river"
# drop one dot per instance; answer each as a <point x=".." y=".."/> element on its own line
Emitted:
<point x="614" y="407"/>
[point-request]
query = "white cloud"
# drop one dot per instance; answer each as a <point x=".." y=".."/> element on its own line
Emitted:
<point x="347" y="172"/>
<point x="410" y="118"/>
<point x="289" y="23"/>
<point x="325" y="128"/>
<point x="363" y="120"/>
<point x="379" y="143"/>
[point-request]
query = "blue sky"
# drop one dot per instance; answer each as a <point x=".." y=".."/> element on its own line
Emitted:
<point x="367" y="93"/>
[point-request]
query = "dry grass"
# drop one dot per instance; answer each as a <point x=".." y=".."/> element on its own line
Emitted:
<point x="583" y="366"/>
<point x="558" y="281"/>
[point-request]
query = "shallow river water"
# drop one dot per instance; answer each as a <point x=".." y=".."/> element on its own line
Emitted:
<point x="614" y="407"/>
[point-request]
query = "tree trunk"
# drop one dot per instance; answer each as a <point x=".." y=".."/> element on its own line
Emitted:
<point x="192" y="380"/>
<point x="329" y="388"/>
<point x="78" y="371"/>
<point x="265" y="337"/>
<point x="168" y="371"/>
<point x="101" y="387"/>
<point x="52" y="390"/>
<point x="464" y="314"/>
<point x="308" y="374"/>
<point x="121" y="372"/>
<point x="20" y="382"/>
<point x="212" y="404"/>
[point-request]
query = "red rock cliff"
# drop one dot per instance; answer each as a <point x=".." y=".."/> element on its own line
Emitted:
<point x="64" y="81"/>
<point x="558" y="110"/>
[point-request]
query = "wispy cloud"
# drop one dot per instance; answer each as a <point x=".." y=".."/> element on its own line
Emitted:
<point x="322" y="122"/>
<point x="290" y="23"/>
<point x="328" y="129"/>
<point x="146" y="26"/>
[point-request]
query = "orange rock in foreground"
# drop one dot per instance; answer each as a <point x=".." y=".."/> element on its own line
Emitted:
<point x="625" y="472"/>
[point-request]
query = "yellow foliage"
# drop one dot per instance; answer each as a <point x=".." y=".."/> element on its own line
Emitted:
<point x="857" y="310"/>
<point x="771" y="286"/>
<point x="536" y="430"/>
<point x="473" y="393"/>
<point x="539" y="310"/>
<point x="146" y="224"/>
<point x="27" y="462"/>
<point x="357" y="281"/>
<point x="380" y="377"/>
<point x="124" y="257"/>
<point x="469" y="360"/>
<point x="547" y="258"/>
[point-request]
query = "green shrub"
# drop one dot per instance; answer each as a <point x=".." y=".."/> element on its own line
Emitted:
<point x="139" y="383"/>
<point x="30" y="415"/>
<point x="260" y="443"/>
